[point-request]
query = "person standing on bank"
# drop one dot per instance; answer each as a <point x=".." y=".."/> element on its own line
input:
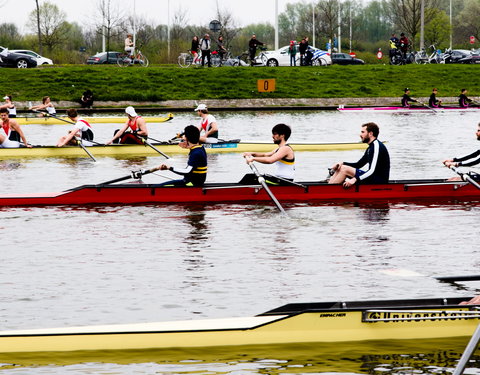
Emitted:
<point x="253" y="43"/>
<point x="376" y="156"/>
<point x="205" y="47"/>
<point x="12" y="111"/>
<point x="292" y="51"/>
<point x="302" y="48"/>
<point x="194" y="48"/>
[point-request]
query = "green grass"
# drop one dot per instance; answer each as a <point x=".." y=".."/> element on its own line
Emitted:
<point x="168" y="82"/>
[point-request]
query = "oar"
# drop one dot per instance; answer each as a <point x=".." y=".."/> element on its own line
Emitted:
<point x="427" y="106"/>
<point x="133" y="174"/>
<point x="453" y="279"/>
<point x="467" y="354"/>
<point x="153" y="147"/>
<point x="465" y="177"/>
<point x="262" y="182"/>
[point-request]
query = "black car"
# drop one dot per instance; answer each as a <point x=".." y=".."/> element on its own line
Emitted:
<point x="101" y="58"/>
<point x="15" y="60"/>
<point x="345" y="59"/>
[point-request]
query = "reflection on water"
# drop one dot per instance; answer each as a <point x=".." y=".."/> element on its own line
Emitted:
<point x="395" y="357"/>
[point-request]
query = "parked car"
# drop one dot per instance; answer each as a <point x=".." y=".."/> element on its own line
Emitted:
<point x="461" y="56"/>
<point x="40" y="59"/>
<point x="346" y="59"/>
<point x="280" y="57"/>
<point x="15" y="60"/>
<point x="101" y="58"/>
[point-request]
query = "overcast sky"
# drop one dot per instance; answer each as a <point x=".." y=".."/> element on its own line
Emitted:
<point x="199" y="12"/>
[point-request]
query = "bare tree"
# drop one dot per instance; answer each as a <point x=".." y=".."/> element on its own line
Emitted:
<point x="51" y="25"/>
<point x="229" y="28"/>
<point x="112" y="22"/>
<point x="406" y="15"/>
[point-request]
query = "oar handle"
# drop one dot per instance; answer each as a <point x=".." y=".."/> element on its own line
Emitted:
<point x="134" y="174"/>
<point x="464" y="176"/>
<point x="261" y="181"/>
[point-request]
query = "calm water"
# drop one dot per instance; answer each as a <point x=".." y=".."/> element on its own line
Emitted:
<point x="99" y="265"/>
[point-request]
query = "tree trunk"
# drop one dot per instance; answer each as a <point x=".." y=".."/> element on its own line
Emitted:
<point x="40" y="45"/>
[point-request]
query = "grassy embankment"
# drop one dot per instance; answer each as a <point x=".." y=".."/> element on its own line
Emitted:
<point x="159" y="83"/>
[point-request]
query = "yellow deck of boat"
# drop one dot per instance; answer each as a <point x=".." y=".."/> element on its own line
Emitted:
<point x="144" y="150"/>
<point x="62" y="120"/>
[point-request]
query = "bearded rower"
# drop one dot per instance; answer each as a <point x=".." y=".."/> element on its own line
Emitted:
<point x="282" y="157"/>
<point x="81" y="129"/>
<point x="376" y="156"/>
<point x="137" y="126"/>
<point x="208" y="125"/>
<point x="467" y="160"/>
<point x="10" y="132"/>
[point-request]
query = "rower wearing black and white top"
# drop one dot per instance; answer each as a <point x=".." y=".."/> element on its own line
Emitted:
<point x="283" y="157"/>
<point x="467" y="160"/>
<point x="406" y="98"/>
<point x="376" y="156"/>
<point x="81" y="129"/>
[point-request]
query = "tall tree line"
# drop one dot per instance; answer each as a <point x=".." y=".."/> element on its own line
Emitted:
<point x="372" y="23"/>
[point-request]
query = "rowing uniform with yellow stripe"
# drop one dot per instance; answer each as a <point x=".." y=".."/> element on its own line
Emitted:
<point x="285" y="168"/>
<point x="195" y="173"/>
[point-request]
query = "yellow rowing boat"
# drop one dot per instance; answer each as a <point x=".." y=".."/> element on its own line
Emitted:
<point x="168" y="148"/>
<point x="301" y="323"/>
<point x="62" y="120"/>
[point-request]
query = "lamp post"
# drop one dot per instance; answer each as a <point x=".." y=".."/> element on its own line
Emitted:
<point x="450" y="24"/>
<point x="134" y="22"/>
<point x="422" y="25"/>
<point x="339" y="37"/>
<point x="313" y="24"/>
<point x="168" y="30"/>
<point x="276" y="24"/>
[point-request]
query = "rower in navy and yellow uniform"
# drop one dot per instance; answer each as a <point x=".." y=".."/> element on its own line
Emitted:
<point x="195" y="172"/>
<point x="283" y="157"/>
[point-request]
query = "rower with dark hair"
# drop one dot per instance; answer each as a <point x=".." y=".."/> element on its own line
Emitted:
<point x="433" y="101"/>
<point x="195" y="172"/>
<point x="12" y="111"/>
<point x="463" y="100"/>
<point x="406" y="98"/>
<point x="11" y="134"/>
<point x="81" y="129"/>
<point x="283" y="157"/>
<point x="467" y="160"/>
<point x="376" y="156"/>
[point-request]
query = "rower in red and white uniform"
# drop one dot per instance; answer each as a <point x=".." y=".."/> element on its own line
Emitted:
<point x="82" y="131"/>
<point x="132" y="131"/>
<point x="208" y="125"/>
<point x="10" y="132"/>
<point x="283" y="157"/>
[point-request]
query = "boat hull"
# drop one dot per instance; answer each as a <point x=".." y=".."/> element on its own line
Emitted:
<point x="62" y="120"/>
<point x="144" y="150"/>
<point x="307" y="323"/>
<point x="122" y="194"/>
<point x="394" y="109"/>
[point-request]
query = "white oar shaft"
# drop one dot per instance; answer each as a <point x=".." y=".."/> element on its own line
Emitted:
<point x="467" y="354"/>
<point x="465" y="177"/>
<point x="262" y="182"/>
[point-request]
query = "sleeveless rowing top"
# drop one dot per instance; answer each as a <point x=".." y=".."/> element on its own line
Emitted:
<point x="285" y="168"/>
<point x="134" y="125"/>
<point x="206" y="125"/>
<point x="51" y="110"/>
<point x="12" y="112"/>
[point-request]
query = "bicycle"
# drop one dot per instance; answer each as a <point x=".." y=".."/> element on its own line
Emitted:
<point x="125" y="59"/>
